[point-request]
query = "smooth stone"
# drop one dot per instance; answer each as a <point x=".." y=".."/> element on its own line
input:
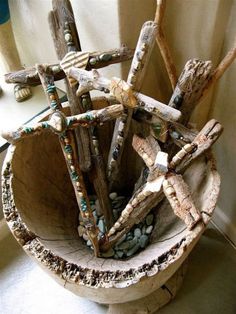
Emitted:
<point x="81" y="230"/>
<point x="149" y="229"/>
<point x="149" y="219"/>
<point x="144" y="230"/>
<point x="119" y="254"/>
<point x="115" y="214"/>
<point x="113" y="195"/>
<point x="85" y="237"/>
<point x="119" y="205"/>
<point x="137" y="233"/>
<point x="89" y="243"/>
<point x="120" y="198"/>
<point x="143" y="241"/>
<point x="109" y="253"/>
<point x="93" y="61"/>
<point x="133" y="250"/>
<point x="101" y="225"/>
<point x="122" y="239"/>
<point x="127" y="245"/>
<point x="124" y="245"/>
<point x="105" y="57"/>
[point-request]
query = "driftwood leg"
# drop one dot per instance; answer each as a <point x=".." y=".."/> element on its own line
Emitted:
<point x="65" y="37"/>
<point x="202" y="142"/>
<point x="135" y="79"/>
<point x="179" y="196"/>
<point x="86" y="139"/>
<point x="68" y="145"/>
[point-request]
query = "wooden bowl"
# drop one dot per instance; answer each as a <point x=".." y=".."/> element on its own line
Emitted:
<point x="42" y="213"/>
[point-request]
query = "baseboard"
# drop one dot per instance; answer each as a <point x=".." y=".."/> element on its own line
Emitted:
<point x="225" y="225"/>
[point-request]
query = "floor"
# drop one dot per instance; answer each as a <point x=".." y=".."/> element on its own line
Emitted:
<point x="209" y="286"/>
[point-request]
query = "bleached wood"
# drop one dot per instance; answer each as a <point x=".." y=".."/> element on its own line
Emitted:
<point x="135" y="79"/>
<point x="190" y="86"/>
<point x="179" y="196"/>
<point x="94" y="117"/>
<point x="203" y="141"/>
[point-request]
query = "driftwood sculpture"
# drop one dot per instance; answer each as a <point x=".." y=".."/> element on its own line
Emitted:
<point x="128" y="168"/>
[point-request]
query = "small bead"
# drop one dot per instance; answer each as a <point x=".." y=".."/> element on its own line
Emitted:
<point x="68" y="37"/>
<point x="52" y="97"/>
<point x="93" y="61"/>
<point x="105" y="57"/>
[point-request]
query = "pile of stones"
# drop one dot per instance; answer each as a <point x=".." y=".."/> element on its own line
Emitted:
<point x="129" y="244"/>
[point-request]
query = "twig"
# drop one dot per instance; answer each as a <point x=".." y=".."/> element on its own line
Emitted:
<point x="162" y="44"/>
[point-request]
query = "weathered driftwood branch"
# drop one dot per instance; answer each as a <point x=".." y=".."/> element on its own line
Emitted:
<point x="58" y="122"/>
<point x="69" y="149"/>
<point x="92" y="160"/>
<point x="96" y="60"/>
<point x="179" y="197"/>
<point x="150" y="194"/>
<point x="190" y="86"/>
<point x="135" y="79"/>
<point x="162" y="43"/>
<point x="202" y="142"/>
<point x="65" y="37"/>
<point x="89" y="80"/>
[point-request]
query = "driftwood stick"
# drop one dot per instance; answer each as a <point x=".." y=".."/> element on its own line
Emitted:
<point x="68" y="40"/>
<point x="190" y="86"/>
<point x="202" y="142"/>
<point x="220" y="70"/>
<point x="58" y="122"/>
<point x="29" y="76"/>
<point x="179" y="196"/>
<point x="135" y="79"/>
<point x="89" y="80"/>
<point x="162" y="44"/>
<point x="69" y="149"/>
<point x="65" y="38"/>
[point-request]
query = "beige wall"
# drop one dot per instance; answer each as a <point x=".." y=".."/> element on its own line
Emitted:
<point x="194" y="28"/>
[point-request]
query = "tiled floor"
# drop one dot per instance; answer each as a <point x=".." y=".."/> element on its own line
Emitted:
<point x="209" y="286"/>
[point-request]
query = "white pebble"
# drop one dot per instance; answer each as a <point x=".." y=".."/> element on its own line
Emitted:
<point x="113" y="195"/>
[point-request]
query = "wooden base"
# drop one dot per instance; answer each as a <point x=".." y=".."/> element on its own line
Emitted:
<point x="156" y="300"/>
